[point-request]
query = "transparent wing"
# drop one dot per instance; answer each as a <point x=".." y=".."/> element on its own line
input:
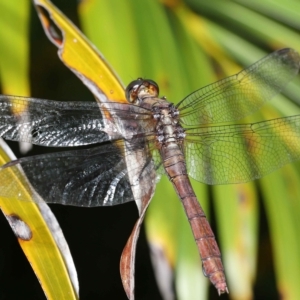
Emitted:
<point x="240" y="153"/>
<point x="88" y="177"/>
<point x="62" y="124"/>
<point x="237" y="96"/>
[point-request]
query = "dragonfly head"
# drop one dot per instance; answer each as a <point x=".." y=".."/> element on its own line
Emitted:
<point x="141" y="88"/>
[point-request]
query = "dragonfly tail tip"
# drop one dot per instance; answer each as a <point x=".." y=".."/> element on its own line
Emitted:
<point x="223" y="291"/>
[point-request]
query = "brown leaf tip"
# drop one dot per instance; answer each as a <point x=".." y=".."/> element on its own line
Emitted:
<point x="52" y="30"/>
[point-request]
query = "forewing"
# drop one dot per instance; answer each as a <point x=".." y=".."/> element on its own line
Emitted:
<point x="240" y="153"/>
<point x="237" y="96"/>
<point x="92" y="177"/>
<point x="63" y="124"/>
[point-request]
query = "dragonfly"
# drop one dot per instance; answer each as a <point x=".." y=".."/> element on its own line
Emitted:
<point x="122" y="149"/>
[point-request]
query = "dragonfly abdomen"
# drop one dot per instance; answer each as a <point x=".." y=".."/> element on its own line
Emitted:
<point x="207" y="245"/>
<point x="175" y="167"/>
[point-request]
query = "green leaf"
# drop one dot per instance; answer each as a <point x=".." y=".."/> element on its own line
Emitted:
<point x="14" y="35"/>
<point x="281" y="199"/>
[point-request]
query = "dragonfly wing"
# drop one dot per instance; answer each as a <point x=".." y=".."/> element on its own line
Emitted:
<point x="86" y="177"/>
<point x="240" y="153"/>
<point x="64" y="124"/>
<point x="237" y="96"/>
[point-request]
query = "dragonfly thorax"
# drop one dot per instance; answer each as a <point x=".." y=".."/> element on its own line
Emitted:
<point x="144" y="92"/>
<point x="168" y="128"/>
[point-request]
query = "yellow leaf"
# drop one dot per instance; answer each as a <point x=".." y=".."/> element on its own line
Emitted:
<point x="37" y="239"/>
<point x="78" y="55"/>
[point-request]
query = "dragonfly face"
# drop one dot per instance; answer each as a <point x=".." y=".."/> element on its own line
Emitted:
<point x="138" y="139"/>
<point x="141" y="88"/>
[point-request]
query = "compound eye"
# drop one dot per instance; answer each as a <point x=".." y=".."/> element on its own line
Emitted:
<point x="153" y="89"/>
<point x="131" y="92"/>
<point x="140" y="89"/>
